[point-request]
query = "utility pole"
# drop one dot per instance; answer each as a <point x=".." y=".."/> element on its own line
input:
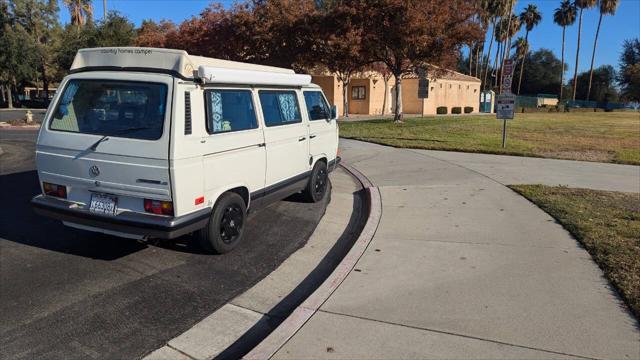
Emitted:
<point x="104" y="9"/>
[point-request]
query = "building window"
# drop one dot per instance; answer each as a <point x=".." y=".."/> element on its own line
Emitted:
<point x="358" y="92"/>
<point x="459" y="87"/>
<point x="440" y="86"/>
<point x="467" y="87"/>
<point x="449" y="86"/>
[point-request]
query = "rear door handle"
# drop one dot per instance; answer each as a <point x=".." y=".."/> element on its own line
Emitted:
<point x="311" y="136"/>
<point x="302" y="138"/>
<point x="262" y="145"/>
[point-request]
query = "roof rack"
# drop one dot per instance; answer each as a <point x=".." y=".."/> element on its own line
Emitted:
<point x="183" y="65"/>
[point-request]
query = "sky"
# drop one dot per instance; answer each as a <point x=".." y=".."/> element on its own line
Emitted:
<point x="625" y="24"/>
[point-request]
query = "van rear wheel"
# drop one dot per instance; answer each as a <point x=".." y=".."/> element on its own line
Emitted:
<point x="225" y="228"/>
<point x="318" y="182"/>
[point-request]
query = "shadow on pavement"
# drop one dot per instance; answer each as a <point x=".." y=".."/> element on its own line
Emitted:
<point x="274" y="317"/>
<point x="20" y="224"/>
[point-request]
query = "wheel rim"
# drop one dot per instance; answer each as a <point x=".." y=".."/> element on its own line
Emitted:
<point x="320" y="183"/>
<point x="231" y="224"/>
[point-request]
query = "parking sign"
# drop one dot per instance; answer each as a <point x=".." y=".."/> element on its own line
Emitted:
<point x="505" y="106"/>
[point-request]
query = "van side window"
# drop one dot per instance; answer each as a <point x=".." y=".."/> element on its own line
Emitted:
<point x="280" y="107"/>
<point x="229" y="110"/>
<point x="316" y="105"/>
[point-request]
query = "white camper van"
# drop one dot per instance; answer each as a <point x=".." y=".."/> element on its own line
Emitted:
<point x="143" y="142"/>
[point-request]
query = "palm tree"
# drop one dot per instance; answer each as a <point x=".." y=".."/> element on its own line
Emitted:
<point x="501" y="37"/>
<point x="81" y="11"/>
<point x="521" y="47"/>
<point x="494" y="10"/>
<point x="606" y="7"/>
<point x="530" y="17"/>
<point x="580" y="4"/>
<point x="564" y="16"/>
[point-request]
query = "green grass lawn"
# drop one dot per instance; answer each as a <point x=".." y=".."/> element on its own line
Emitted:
<point x="607" y="223"/>
<point x="606" y="137"/>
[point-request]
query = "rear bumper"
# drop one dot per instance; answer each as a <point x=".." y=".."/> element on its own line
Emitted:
<point x="125" y="222"/>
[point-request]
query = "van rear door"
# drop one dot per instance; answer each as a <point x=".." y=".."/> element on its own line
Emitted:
<point x="106" y="137"/>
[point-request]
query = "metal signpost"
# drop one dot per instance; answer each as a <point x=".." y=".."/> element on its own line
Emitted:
<point x="506" y="101"/>
<point x="423" y="87"/>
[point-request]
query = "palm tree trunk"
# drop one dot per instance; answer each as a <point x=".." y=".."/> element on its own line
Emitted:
<point x="478" y="59"/>
<point x="575" y="71"/>
<point x="470" y="58"/>
<point x="564" y="30"/>
<point x="488" y="57"/>
<point x="495" y="64"/>
<point x="526" y="39"/>
<point x="593" y="56"/>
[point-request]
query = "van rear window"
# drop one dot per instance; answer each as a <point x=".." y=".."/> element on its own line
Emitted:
<point x="116" y="108"/>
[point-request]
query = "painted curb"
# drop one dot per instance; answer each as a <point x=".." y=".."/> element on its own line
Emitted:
<point x="290" y="326"/>
<point x="21" y="128"/>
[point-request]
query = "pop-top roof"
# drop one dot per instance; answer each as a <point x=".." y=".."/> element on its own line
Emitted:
<point x="180" y="62"/>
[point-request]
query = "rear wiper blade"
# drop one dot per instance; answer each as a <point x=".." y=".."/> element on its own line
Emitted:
<point x="95" y="145"/>
<point x="121" y="131"/>
<point x="131" y="129"/>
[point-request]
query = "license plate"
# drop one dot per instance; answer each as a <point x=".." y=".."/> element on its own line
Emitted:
<point x="103" y="204"/>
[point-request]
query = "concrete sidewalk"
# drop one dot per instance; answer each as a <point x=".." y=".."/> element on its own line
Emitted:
<point x="463" y="267"/>
<point x="511" y="170"/>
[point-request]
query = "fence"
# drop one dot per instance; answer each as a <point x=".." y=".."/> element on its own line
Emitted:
<point x="526" y="102"/>
<point x="598" y="105"/>
<point x="530" y="102"/>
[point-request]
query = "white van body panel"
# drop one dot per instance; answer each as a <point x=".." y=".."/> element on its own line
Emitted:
<point x="187" y="165"/>
<point x="287" y="145"/>
<point x="323" y="134"/>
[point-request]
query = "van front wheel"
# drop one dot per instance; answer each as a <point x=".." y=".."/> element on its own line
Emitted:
<point x="225" y="228"/>
<point x="318" y="182"/>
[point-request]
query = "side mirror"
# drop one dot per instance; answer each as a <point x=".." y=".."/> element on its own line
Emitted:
<point x="334" y="112"/>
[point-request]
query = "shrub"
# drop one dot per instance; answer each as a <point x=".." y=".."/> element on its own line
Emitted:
<point x="468" y="109"/>
<point x="441" y="110"/>
<point x="456" y="110"/>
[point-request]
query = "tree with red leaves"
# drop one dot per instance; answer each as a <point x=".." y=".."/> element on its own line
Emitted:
<point x="409" y="34"/>
<point x="152" y="34"/>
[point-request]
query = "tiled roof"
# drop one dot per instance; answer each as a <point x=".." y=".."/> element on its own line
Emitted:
<point x="449" y="75"/>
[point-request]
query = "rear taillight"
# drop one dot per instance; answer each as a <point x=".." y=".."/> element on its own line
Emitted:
<point x="54" y="190"/>
<point x="158" y="207"/>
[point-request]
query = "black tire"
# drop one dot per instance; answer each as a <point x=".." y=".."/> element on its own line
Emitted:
<point x="318" y="182"/>
<point x="225" y="228"/>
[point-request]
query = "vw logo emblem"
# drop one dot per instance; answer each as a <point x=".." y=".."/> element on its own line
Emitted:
<point x="94" y="171"/>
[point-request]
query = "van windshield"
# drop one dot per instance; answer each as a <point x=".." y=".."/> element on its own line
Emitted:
<point x="116" y="108"/>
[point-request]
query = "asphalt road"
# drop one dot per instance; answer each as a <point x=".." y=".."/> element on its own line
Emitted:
<point x="67" y="293"/>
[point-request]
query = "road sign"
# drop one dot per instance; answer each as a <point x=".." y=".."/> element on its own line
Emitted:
<point x="505" y="106"/>
<point x="507" y="72"/>
<point x="423" y="88"/>
<point x="508" y="67"/>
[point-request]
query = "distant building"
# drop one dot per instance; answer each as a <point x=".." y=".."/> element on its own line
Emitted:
<point x="366" y="93"/>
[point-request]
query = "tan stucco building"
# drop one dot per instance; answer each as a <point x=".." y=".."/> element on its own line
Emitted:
<point x="367" y="93"/>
